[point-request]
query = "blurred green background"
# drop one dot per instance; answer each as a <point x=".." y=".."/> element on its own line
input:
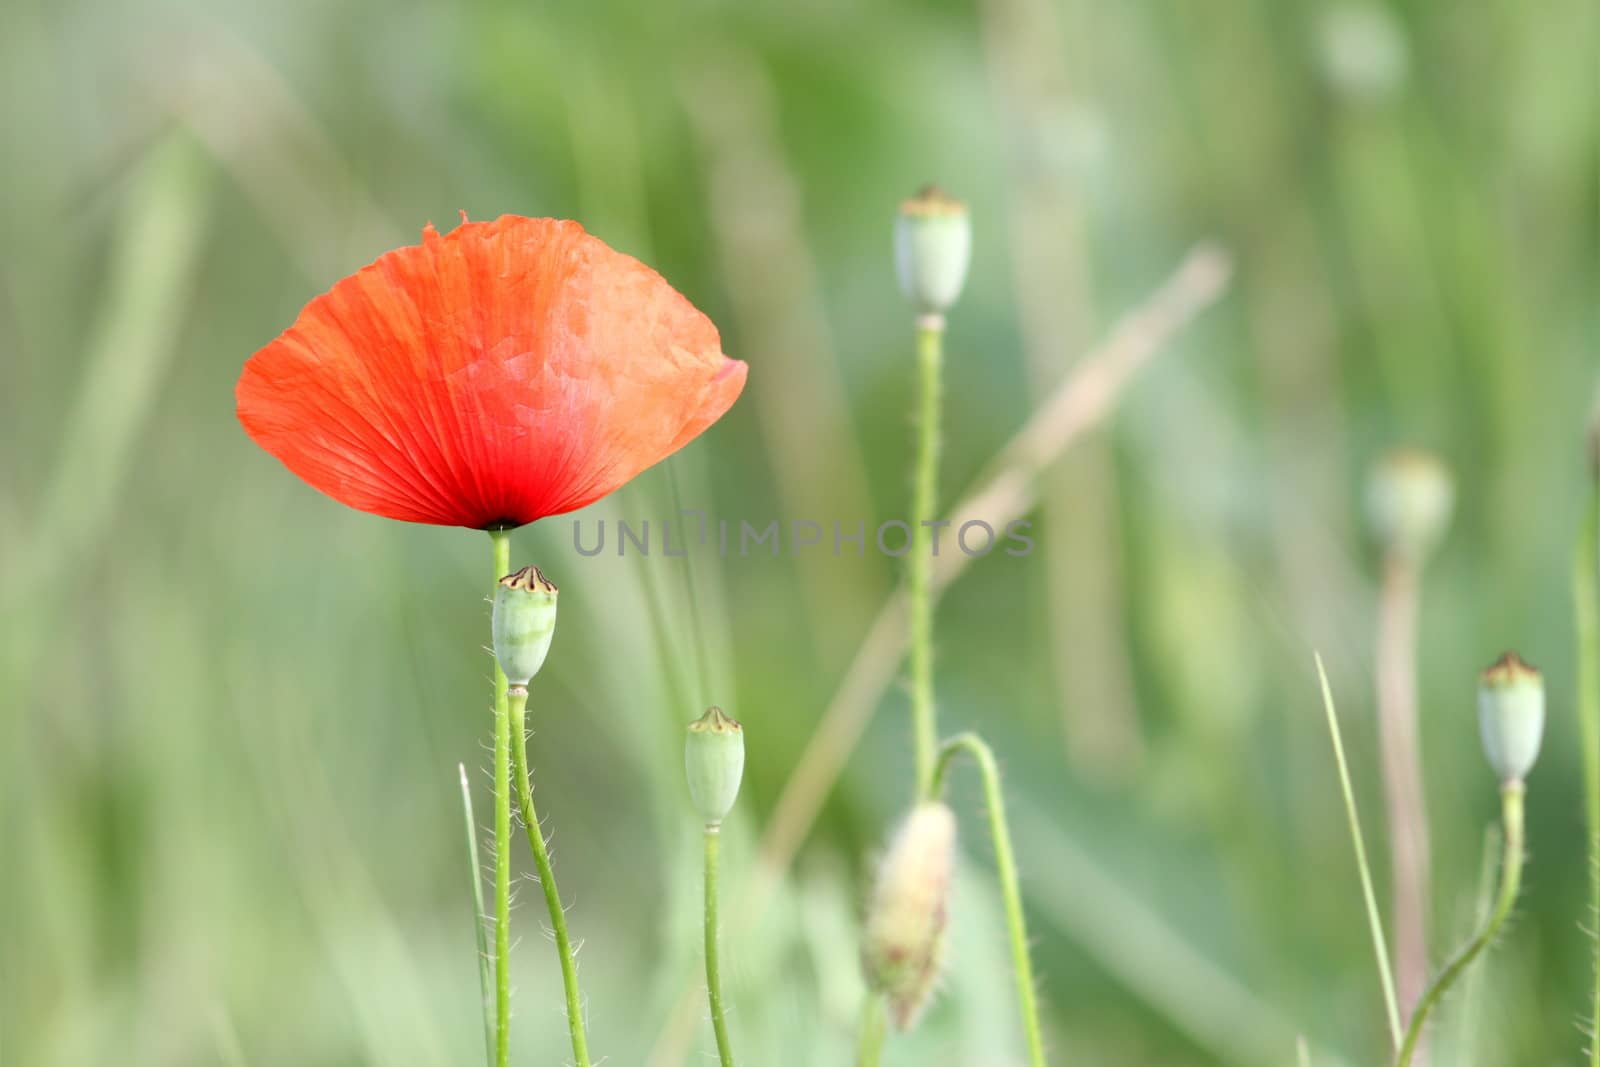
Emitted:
<point x="231" y="710"/>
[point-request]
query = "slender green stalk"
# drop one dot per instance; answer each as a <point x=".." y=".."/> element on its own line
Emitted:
<point x="719" y="1022"/>
<point x="480" y="923"/>
<point x="874" y="1027"/>
<point x="1586" y="611"/>
<point x="1005" y="863"/>
<point x="1463" y="1050"/>
<point x="1302" y="1052"/>
<point x="501" y="540"/>
<point x="919" y="577"/>
<point x="1374" y="920"/>
<point x="547" y="877"/>
<point x="1511" y="799"/>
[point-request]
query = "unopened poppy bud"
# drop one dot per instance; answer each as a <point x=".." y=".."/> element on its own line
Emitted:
<point x="905" y="936"/>
<point x="713" y="758"/>
<point x="524" y="622"/>
<point x="1410" y="496"/>
<point x="932" y="249"/>
<point x="1511" y="715"/>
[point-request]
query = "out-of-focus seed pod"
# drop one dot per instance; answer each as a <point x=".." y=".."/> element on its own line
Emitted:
<point x="932" y="250"/>
<point x="1410" y="496"/>
<point x="713" y="757"/>
<point x="1363" y="49"/>
<point x="905" y="936"/>
<point x="524" y="622"/>
<point x="1511" y="716"/>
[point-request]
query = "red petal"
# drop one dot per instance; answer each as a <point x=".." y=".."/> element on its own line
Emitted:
<point x="506" y="371"/>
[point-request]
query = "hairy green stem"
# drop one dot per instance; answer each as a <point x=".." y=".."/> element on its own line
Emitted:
<point x="919" y="577"/>
<point x="1005" y="863"/>
<point x="1511" y="798"/>
<point x="874" y="1026"/>
<point x="501" y="542"/>
<point x="1586" y="618"/>
<point x="719" y="1022"/>
<point x="547" y="878"/>
<point x="480" y="921"/>
<point x="1380" y="947"/>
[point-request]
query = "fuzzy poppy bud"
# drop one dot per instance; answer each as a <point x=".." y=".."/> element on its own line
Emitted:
<point x="524" y="622"/>
<point x="905" y="936"/>
<point x="713" y="758"/>
<point x="1410" y="496"/>
<point x="1511" y="715"/>
<point x="932" y="250"/>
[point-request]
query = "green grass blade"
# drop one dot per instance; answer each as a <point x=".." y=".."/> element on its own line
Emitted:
<point x="1380" y="946"/>
<point x="1586" y="623"/>
<point x="480" y="925"/>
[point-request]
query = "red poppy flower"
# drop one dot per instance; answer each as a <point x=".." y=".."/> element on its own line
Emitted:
<point x="503" y="372"/>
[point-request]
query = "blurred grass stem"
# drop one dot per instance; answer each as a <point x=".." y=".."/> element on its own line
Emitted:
<point x="1586" y="619"/>
<point x="719" y="1022"/>
<point x="919" y="573"/>
<point x="1005" y="862"/>
<point x="874" y="1025"/>
<point x="1403" y="793"/>
<point x="547" y="875"/>
<point x="1511" y="799"/>
<point x="1374" y="919"/>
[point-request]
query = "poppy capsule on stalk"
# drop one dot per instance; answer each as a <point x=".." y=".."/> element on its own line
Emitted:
<point x="487" y="377"/>
<point x="523" y="623"/>
<point x="1511" y="715"/>
<point x="932" y="250"/>
<point x="713" y="760"/>
<point x="1410" y="496"/>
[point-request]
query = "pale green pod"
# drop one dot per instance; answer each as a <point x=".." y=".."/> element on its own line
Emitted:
<point x="524" y="622"/>
<point x="1410" y="498"/>
<point x="904" y="947"/>
<point x="932" y="250"/>
<point x="1511" y="716"/>
<point x="713" y="759"/>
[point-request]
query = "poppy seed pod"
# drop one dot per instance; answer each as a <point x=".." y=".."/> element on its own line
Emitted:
<point x="1410" y="496"/>
<point x="1511" y="715"/>
<point x="524" y="622"/>
<point x="905" y="937"/>
<point x="932" y="250"/>
<point x="713" y="759"/>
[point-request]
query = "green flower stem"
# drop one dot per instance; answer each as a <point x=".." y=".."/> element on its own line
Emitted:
<point x="1380" y="948"/>
<point x="1006" y="867"/>
<point x="1511" y="798"/>
<point x="919" y="577"/>
<point x="501" y="541"/>
<point x="719" y="1022"/>
<point x="1586" y="610"/>
<point x="547" y="878"/>
<point x="480" y="922"/>
<point x="874" y="1026"/>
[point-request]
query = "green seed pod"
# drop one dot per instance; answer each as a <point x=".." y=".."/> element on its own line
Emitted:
<point x="932" y="250"/>
<point x="713" y="758"/>
<point x="524" y="622"/>
<point x="904" y="946"/>
<point x="1410" y="496"/>
<point x="1511" y="716"/>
